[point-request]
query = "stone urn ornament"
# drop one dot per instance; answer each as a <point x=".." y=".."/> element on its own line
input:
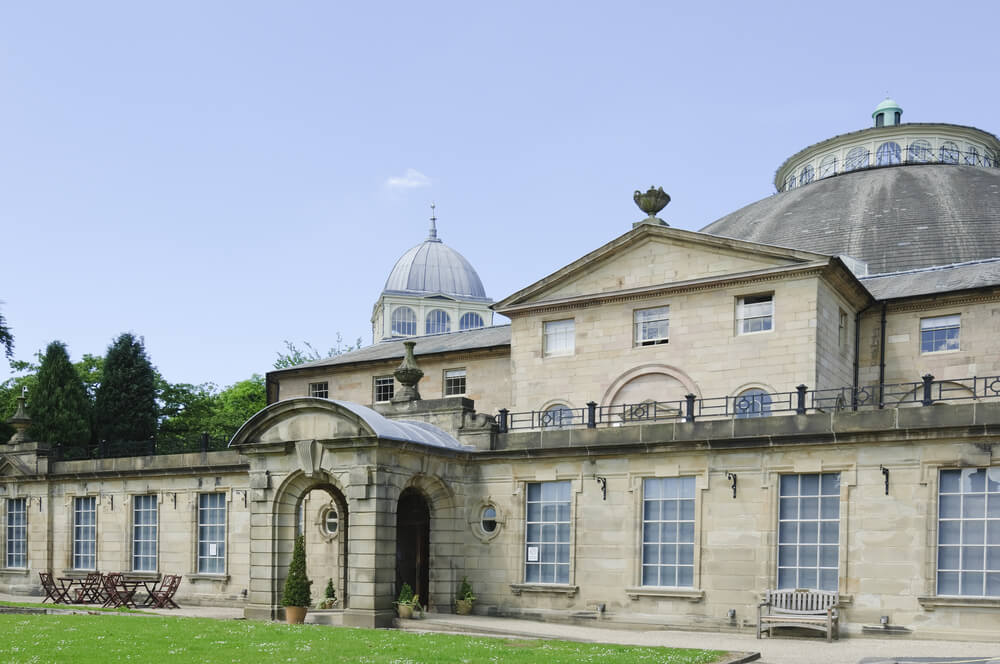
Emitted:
<point x="408" y="374"/>
<point x="651" y="202"/>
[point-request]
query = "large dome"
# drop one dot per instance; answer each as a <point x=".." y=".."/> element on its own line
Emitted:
<point x="893" y="218"/>
<point x="434" y="267"/>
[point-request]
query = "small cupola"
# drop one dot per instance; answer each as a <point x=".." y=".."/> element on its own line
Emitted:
<point x="888" y="113"/>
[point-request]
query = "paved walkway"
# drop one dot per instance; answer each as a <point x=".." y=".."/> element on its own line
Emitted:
<point x="859" y="650"/>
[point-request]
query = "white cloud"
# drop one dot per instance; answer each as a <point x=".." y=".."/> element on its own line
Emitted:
<point x="412" y="179"/>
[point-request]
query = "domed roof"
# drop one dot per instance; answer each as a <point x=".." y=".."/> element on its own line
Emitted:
<point x="433" y="267"/>
<point x="895" y="218"/>
<point x="886" y="104"/>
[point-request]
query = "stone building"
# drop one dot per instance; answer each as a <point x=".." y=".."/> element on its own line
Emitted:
<point x="804" y="394"/>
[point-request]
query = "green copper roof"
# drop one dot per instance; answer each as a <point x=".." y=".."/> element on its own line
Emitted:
<point x="887" y="105"/>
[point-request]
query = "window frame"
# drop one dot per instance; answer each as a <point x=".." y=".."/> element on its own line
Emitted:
<point x="957" y="326"/>
<point x="639" y="327"/>
<point x="562" y="329"/>
<point x="742" y="318"/>
<point x="661" y="544"/>
<point x="751" y="403"/>
<point x="446" y="388"/>
<point x="540" y="541"/>
<point x="406" y="317"/>
<point x="468" y="316"/>
<point x="12" y="531"/>
<point x="388" y="383"/>
<point x="441" y="323"/>
<point x="200" y="539"/>
<point x="833" y="498"/>
<point x="963" y="548"/>
<point x="78" y="553"/>
<point x="154" y="527"/>
<point x="320" y="389"/>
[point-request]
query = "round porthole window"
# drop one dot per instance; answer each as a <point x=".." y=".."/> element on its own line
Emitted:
<point x="331" y="521"/>
<point x="489" y="519"/>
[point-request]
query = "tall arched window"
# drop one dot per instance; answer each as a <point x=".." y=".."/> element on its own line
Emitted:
<point x="828" y="166"/>
<point x="752" y="403"/>
<point x="789" y="182"/>
<point x="972" y="156"/>
<point x="404" y="322"/>
<point x="806" y="176"/>
<point x="888" y="154"/>
<point x="948" y="154"/>
<point x="856" y="158"/>
<point x="919" y="151"/>
<point x="438" y="322"/>
<point x="470" y="321"/>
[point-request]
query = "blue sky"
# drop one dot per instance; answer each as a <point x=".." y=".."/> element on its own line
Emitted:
<point x="220" y="177"/>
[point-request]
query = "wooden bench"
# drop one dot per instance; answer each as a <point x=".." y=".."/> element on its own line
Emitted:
<point x="812" y="609"/>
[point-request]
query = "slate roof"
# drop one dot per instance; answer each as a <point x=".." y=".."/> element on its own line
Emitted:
<point x="895" y="218"/>
<point x="929" y="281"/>
<point x="484" y="337"/>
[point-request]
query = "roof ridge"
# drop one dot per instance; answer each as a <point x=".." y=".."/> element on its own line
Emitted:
<point x="931" y="268"/>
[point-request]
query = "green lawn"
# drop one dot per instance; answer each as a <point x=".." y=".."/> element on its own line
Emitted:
<point x="89" y="638"/>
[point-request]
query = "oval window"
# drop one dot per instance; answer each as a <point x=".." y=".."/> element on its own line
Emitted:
<point x="331" y="521"/>
<point x="489" y="519"/>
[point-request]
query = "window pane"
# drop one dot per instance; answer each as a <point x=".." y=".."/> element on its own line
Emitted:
<point x="668" y="530"/>
<point x="547" y="532"/>
<point x="808" y="531"/>
<point x="964" y="504"/>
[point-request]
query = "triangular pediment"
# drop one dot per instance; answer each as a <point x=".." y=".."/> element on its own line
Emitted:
<point x="12" y="467"/>
<point x="650" y="256"/>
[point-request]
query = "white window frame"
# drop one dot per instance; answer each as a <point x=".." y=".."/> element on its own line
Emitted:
<point x="403" y="322"/>
<point x="651" y="326"/>
<point x="558" y="337"/>
<point x="441" y="323"/>
<point x="842" y="327"/>
<point x="808" y="530"/>
<point x="749" y="312"/>
<point x="320" y="390"/>
<point x="211" y="533"/>
<point x="669" y="507"/>
<point x="548" y="532"/>
<point x="469" y="317"/>
<point x="385" y="383"/>
<point x="84" y="549"/>
<point x="968" y="550"/>
<point x="452" y="380"/>
<point x="145" y="532"/>
<point x="931" y="325"/>
<point x="16" y="531"/>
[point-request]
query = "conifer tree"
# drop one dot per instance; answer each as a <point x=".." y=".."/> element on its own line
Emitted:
<point x="125" y="408"/>
<point x="297" y="583"/>
<point x="59" y="406"/>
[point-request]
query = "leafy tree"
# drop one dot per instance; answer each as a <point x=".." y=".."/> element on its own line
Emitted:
<point x="296" y="356"/>
<point x="6" y="338"/>
<point x="236" y="404"/>
<point x="297" y="584"/>
<point x="185" y="410"/>
<point x="125" y="403"/>
<point x="59" y="406"/>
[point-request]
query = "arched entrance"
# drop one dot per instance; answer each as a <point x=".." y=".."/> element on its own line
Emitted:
<point x="321" y="517"/>
<point x="413" y="543"/>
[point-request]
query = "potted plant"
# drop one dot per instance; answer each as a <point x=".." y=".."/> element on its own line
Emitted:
<point x="465" y="598"/>
<point x="297" y="598"/>
<point x="404" y="605"/>
<point x="329" y="600"/>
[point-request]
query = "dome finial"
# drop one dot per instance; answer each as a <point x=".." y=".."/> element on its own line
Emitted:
<point x="432" y="236"/>
<point x="888" y="113"/>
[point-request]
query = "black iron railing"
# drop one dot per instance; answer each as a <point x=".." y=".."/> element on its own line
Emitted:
<point x="131" y="448"/>
<point x="756" y="404"/>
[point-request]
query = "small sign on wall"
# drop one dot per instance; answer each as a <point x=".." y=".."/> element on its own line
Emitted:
<point x="213" y="549"/>
<point x="532" y="554"/>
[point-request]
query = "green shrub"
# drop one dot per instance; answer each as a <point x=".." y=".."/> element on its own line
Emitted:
<point x="330" y="592"/>
<point x="297" y="584"/>
<point x="465" y="590"/>
<point x="405" y="594"/>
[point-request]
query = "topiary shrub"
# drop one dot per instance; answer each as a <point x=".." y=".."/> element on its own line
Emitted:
<point x="465" y="591"/>
<point x="405" y="595"/>
<point x="297" y="584"/>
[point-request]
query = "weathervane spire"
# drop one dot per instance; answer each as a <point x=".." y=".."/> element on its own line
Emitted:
<point x="433" y="235"/>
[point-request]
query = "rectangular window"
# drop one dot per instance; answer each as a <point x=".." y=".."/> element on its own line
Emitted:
<point x="384" y="388"/>
<point x="559" y="337"/>
<point x="546" y="558"/>
<point x="321" y="390"/>
<point x="754" y="313"/>
<point x="85" y="533"/>
<point x="940" y="333"/>
<point x="144" y="533"/>
<point x="652" y="326"/>
<point x="969" y="532"/>
<point x="842" y="329"/>
<point x="668" y="532"/>
<point x="454" y="382"/>
<point x="211" y="533"/>
<point x="809" y="531"/>
<point x="17" y="533"/>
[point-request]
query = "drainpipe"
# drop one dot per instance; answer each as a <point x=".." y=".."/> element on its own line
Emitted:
<point x="857" y="356"/>
<point x="881" y="363"/>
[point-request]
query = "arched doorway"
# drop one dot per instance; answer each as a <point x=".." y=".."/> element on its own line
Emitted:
<point x="321" y="517"/>
<point x="413" y="540"/>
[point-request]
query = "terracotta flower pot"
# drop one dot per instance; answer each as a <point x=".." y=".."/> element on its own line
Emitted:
<point x="405" y="610"/>
<point x="463" y="607"/>
<point x="295" y="615"/>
